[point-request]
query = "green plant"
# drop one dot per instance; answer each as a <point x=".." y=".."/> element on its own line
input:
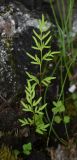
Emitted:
<point x="27" y="148"/>
<point x="65" y="42"/>
<point x="57" y="110"/>
<point x="65" y="39"/>
<point x="35" y="105"/>
<point x="58" y="116"/>
<point x="66" y="61"/>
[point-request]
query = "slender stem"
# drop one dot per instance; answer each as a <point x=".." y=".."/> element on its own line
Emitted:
<point x="48" y="118"/>
<point x="65" y="48"/>
<point x="41" y="63"/>
<point x="60" y="139"/>
<point x="66" y="131"/>
<point x="51" y="128"/>
<point x="51" y="123"/>
<point x="60" y="12"/>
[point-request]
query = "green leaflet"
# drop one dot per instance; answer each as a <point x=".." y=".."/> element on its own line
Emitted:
<point x="46" y="81"/>
<point x="59" y="107"/>
<point x="32" y="77"/>
<point x="45" y="35"/>
<point x="48" y="40"/>
<point x="36" y="34"/>
<point x="36" y="42"/>
<point x="36" y="48"/>
<point x="37" y="60"/>
<point x="32" y="57"/>
<point x="57" y="119"/>
<point x="24" y="122"/>
<point x="40" y="126"/>
<point x="42" y="107"/>
<point x="27" y="148"/>
<point x="36" y="102"/>
<point x="26" y="107"/>
<point x="66" y="119"/>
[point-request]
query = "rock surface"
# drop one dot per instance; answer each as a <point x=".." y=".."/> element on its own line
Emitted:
<point x="16" y="25"/>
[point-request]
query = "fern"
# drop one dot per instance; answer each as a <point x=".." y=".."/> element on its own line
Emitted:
<point x="33" y="105"/>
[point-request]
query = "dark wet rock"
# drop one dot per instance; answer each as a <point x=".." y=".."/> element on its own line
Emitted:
<point x="10" y="112"/>
<point x="30" y="4"/>
<point x="16" y="25"/>
<point x="8" y="118"/>
<point x="38" y="155"/>
<point x="13" y="141"/>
